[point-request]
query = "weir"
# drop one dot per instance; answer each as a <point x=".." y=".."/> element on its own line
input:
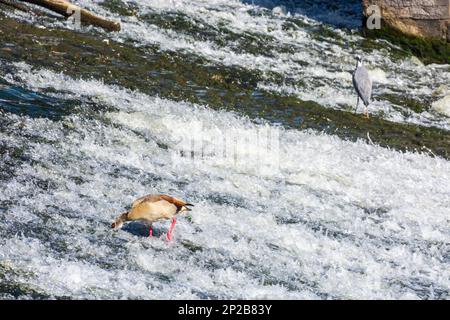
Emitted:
<point x="310" y="200"/>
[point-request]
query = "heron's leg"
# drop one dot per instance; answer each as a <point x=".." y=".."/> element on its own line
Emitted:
<point x="169" y="234"/>
<point x="150" y="231"/>
<point x="357" y="105"/>
<point x="366" y="112"/>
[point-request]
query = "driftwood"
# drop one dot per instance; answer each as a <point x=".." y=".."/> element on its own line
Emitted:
<point x="15" y="5"/>
<point x="67" y="10"/>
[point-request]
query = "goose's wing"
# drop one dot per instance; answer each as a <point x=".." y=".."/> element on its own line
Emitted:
<point x="147" y="198"/>
<point x="363" y="84"/>
<point x="159" y="197"/>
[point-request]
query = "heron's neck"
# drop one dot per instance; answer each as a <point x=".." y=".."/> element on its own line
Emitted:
<point x="359" y="64"/>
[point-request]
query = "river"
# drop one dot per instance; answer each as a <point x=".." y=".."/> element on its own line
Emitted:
<point x="244" y="108"/>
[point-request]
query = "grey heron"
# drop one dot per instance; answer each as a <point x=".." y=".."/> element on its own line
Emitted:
<point x="362" y="84"/>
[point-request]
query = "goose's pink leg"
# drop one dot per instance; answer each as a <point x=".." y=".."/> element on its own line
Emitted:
<point x="169" y="234"/>
<point x="150" y="231"/>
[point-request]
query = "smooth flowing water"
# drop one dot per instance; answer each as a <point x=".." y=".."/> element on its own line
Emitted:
<point x="315" y="202"/>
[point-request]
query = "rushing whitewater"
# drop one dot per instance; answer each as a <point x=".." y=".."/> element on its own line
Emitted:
<point x="289" y="214"/>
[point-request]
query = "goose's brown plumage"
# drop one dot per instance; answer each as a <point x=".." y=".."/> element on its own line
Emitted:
<point x="151" y="208"/>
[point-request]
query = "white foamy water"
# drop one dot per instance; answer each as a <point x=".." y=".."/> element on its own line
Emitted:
<point x="335" y="219"/>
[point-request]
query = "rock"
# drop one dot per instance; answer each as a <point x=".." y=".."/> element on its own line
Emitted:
<point x="442" y="106"/>
<point x="442" y="90"/>
<point x="423" y="18"/>
<point x="416" y="61"/>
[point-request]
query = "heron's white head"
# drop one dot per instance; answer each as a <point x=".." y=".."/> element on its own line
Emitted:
<point x="359" y="60"/>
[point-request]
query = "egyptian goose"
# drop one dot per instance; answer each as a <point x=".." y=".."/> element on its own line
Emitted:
<point x="151" y="208"/>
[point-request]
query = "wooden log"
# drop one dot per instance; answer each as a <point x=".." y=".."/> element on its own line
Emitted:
<point x="14" y="4"/>
<point x="68" y="9"/>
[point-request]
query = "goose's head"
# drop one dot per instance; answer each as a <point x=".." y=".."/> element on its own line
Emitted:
<point x="119" y="221"/>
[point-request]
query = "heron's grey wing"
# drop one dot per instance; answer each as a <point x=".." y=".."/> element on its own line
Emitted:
<point x="363" y="84"/>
